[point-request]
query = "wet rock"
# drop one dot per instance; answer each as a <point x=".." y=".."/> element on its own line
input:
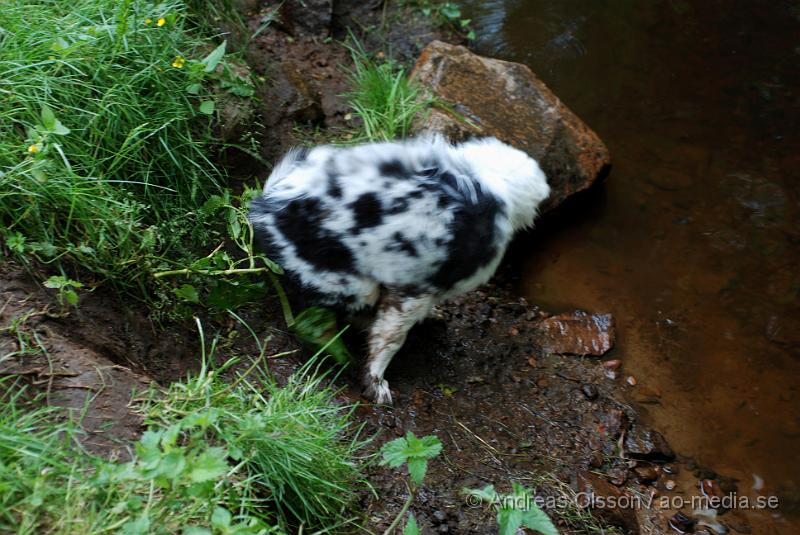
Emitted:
<point x="614" y="422"/>
<point x="312" y="16"/>
<point x="577" y="333"/>
<point x="589" y="391"/>
<point x="647" y="444"/>
<point x="613" y="364"/>
<point x="647" y="395"/>
<point x="598" y="495"/>
<point x="631" y="380"/>
<point x="681" y="523"/>
<point x="784" y="330"/>
<point x="646" y="473"/>
<point x="497" y="98"/>
<point x="301" y="98"/>
<point x="670" y="484"/>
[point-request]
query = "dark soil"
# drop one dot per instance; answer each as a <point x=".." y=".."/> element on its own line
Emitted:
<point x="476" y="376"/>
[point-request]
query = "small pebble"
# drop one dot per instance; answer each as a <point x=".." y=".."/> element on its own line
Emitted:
<point x="631" y="380"/>
<point x="613" y="364"/>
<point x="532" y="361"/>
<point x="669" y="484"/>
<point x="589" y="391"/>
<point x="681" y="523"/>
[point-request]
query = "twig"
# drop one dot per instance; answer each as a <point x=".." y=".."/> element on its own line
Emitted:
<point x="189" y="271"/>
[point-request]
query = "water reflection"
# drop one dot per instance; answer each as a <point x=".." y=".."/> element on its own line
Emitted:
<point x="693" y="243"/>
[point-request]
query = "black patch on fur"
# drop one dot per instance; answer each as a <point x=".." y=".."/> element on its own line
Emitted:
<point x="334" y="188"/>
<point x="301" y="223"/>
<point x="429" y="172"/>
<point x="472" y="243"/>
<point x="393" y="168"/>
<point x="401" y="243"/>
<point x="367" y="211"/>
<point x="302" y="154"/>
<point x="398" y="205"/>
<point x="449" y="179"/>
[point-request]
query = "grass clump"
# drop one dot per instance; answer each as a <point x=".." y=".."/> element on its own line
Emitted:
<point x="239" y="458"/>
<point x="105" y="133"/>
<point x="291" y="441"/>
<point x="383" y="96"/>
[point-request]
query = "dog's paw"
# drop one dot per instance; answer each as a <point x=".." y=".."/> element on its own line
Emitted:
<point x="377" y="391"/>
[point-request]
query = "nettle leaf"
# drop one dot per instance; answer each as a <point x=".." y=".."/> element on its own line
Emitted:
<point x="209" y="465"/>
<point x="413" y="451"/>
<point x="487" y="494"/>
<point x="212" y="205"/>
<point x="532" y="516"/>
<point x="221" y="519"/>
<point x="187" y="292"/>
<point x="212" y="60"/>
<point x="317" y="326"/>
<point x="509" y="520"/>
<point x="411" y="526"/>
<point x="140" y="526"/>
<point x="416" y="469"/>
<point x="207" y="107"/>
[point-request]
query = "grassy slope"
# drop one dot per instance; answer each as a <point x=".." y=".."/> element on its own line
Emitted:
<point x="103" y="151"/>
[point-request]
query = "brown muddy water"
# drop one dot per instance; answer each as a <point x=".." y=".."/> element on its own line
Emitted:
<point x="693" y="242"/>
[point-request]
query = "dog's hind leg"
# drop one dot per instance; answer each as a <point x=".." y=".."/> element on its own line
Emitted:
<point x="396" y="315"/>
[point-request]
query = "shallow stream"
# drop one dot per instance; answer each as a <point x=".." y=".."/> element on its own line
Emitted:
<point x="693" y="242"/>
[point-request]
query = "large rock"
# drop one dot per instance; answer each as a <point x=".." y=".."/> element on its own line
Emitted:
<point x="490" y="97"/>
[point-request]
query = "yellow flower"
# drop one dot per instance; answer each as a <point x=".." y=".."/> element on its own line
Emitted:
<point x="179" y="62"/>
<point x="33" y="149"/>
<point x="148" y="21"/>
<point x="162" y="21"/>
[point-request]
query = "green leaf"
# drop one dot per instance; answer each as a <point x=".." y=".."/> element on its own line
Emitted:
<point x="416" y="469"/>
<point x="51" y="124"/>
<point x="212" y="60"/>
<point x="71" y="297"/>
<point x="532" y="517"/>
<point x="411" y="526"/>
<point x="317" y="326"/>
<point x="194" y="89"/>
<point x="509" y="520"/>
<point x="140" y="526"/>
<point x="230" y="295"/>
<point x="187" y="292"/>
<point x="48" y="118"/>
<point x="411" y="450"/>
<point x="487" y="494"/>
<point x="172" y="464"/>
<point x="209" y="465"/>
<point x="207" y="107"/>
<point x="221" y="519"/>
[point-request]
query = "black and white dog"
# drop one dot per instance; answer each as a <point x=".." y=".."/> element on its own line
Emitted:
<point x="395" y="227"/>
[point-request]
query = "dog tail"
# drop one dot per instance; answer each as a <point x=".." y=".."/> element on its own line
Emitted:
<point x="287" y="164"/>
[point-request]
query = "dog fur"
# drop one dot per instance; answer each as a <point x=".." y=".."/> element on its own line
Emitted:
<point x="396" y="227"/>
